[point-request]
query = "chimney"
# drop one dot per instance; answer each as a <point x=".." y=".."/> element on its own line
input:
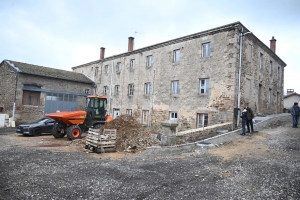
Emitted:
<point x="130" y="43"/>
<point x="273" y="44"/>
<point x="102" y="51"/>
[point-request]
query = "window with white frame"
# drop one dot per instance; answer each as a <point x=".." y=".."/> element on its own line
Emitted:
<point x="202" y="120"/>
<point x="130" y="89"/>
<point x="204" y="86"/>
<point x="106" y="69"/>
<point x="118" y="67"/>
<point x="117" y="90"/>
<point x="147" y="88"/>
<point x="149" y="61"/>
<point x="176" y="55"/>
<point x="206" y="50"/>
<point x="173" y="115"/>
<point x="145" y="117"/>
<point x="132" y="64"/>
<point x="271" y="68"/>
<point x="129" y="112"/>
<point x="105" y="90"/>
<point x="261" y="59"/>
<point x="270" y="95"/>
<point x="175" y="87"/>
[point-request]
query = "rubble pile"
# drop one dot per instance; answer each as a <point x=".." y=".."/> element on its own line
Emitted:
<point x="131" y="135"/>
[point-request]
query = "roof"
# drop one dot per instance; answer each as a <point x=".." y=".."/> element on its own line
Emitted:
<point x="292" y="94"/>
<point x="232" y="26"/>
<point x="48" y="72"/>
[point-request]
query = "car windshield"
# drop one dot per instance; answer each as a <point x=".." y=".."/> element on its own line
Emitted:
<point x="42" y="120"/>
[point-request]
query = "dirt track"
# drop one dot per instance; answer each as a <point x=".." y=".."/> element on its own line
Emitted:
<point x="263" y="166"/>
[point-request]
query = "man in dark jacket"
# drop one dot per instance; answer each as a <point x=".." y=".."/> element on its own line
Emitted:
<point x="295" y="112"/>
<point x="250" y="116"/>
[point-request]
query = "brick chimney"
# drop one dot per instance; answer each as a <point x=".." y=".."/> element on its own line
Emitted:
<point x="130" y="43"/>
<point x="273" y="44"/>
<point x="102" y="51"/>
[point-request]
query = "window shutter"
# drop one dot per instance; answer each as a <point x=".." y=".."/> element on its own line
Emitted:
<point x="207" y="86"/>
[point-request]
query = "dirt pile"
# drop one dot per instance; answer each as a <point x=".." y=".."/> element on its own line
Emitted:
<point x="131" y="133"/>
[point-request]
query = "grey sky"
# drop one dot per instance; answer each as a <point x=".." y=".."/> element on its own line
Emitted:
<point x="66" y="33"/>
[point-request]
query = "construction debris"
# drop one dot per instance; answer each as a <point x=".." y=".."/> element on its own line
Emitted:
<point x="131" y="135"/>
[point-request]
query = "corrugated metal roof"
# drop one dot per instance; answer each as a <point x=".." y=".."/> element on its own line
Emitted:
<point x="48" y="72"/>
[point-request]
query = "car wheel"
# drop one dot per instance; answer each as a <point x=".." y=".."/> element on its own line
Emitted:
<point x="37" y="132"/>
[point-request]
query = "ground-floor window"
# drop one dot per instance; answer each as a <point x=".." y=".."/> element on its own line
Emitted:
<point x="116" y="112"/>
<point x="202" y="120"/>
<point x="129" y="112"/>
<point x="173" y="115"/>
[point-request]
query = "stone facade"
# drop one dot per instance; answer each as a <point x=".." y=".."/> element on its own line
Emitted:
<point x="14" y="81"/>
<point x="206" y="88"/>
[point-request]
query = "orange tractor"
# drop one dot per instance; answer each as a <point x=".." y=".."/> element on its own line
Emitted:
<point x="73" y="123"/>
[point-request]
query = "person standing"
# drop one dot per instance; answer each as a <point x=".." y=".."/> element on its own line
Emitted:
<point x="250" y="116"/>
<point x="244" y="121"/>
<point x="295" y="112"/>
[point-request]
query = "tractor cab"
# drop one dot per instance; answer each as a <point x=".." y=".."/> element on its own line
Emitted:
<point x="96" y="110"/>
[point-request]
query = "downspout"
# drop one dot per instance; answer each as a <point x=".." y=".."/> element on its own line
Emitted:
<point x="110" y="87"/>
<point x="240" y="72"/>
<point x="14" y="105"/>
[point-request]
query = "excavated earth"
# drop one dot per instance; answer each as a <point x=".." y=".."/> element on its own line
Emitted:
<point x="265" y="165"/>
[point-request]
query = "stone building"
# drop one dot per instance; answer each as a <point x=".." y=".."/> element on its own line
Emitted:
<point x="194" y="79"/>
<point x="27" y="92"/>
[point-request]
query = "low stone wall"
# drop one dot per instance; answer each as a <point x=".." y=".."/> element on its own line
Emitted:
<point x="194" y="135"/>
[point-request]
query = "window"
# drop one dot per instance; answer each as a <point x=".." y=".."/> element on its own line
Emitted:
<point x="270" y="95"/>
<point x="278" y="73"/>
<point x="105" y="90"/>
<point x="117" y="90"/>
<point x="175" y="87"/>
<point x="176" y="55"/>
<point x="129" y="112"/>
<point x="130" y="89"/>
<point x="149" y="61"/>
<point x="87" y="91"/>
<point x="145" y="117"/>
<point x="31" y="98"/>
<point x="147" y="88"/>
<point x="118" y="68"/>
<point x="173" y="115"/>
<point x="206" y="50"/>
<point x="116" y="113"/>
<point x="106" y="69"/>
<point x="204" y="86"/>
<point x="261" y="56"/>
<point x="132" y="64"/>
<point x="96" y="71"/>
<point x="271" y="68"/>
<point x="202" y="120"/>
<point x="1" y="109"/>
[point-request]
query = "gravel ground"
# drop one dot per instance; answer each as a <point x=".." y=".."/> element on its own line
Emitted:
<point x="262" y="166"/>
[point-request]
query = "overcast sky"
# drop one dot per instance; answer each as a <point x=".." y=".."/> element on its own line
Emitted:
<point x="66" y="33"/>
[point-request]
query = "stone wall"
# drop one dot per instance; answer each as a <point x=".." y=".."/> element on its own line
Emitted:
<point x="195" y="135"/>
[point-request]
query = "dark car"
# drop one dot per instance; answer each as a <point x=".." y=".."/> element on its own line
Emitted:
<point x="43" y="125"/>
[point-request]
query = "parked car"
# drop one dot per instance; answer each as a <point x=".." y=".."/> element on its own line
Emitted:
<point x="43" y="125"/>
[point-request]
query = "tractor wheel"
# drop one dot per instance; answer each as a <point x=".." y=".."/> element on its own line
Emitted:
<point x="36" y="132"/>
<point x="97" y="126"/>
<point x="74" y="132"/>
<point x="57" y="131"/>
